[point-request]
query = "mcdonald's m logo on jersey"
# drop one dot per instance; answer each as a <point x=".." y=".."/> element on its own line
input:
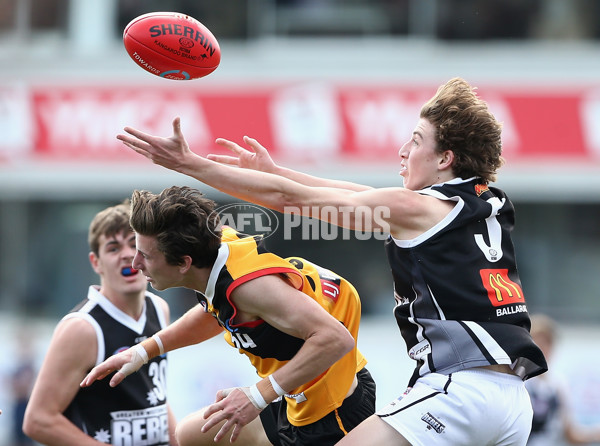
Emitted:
<point x="501" y="290"/>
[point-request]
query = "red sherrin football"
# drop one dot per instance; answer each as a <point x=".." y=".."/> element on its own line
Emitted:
<point x="172" y="45"/>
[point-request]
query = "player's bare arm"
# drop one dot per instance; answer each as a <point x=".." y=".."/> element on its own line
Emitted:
<point x="294" y="313"/>
<point x="409" y="216"/>
<point x="291" y="311"/>
<point x="408" y="212"/>
<point x="258" y="158"/>
<point x="71" y="354"/>
<point x="193" y="327"/>
<point x="269" y="190"/>
<point x="174" y="154"/>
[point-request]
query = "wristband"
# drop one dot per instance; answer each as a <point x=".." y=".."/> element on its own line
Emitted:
<point x="252" y="393"/>
<point x="248" y="394"/>
<point x="256" y="397"/>
<point x="276" y="387"/>
<point x="161" y="347"/>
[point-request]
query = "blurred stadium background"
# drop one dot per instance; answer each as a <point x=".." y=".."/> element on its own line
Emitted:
<point x="332" y="87"/>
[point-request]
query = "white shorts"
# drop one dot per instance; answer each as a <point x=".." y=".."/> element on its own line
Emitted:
<point x="474" y="407"/>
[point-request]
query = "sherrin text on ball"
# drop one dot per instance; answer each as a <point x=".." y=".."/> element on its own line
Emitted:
<point x="172" y="45"/>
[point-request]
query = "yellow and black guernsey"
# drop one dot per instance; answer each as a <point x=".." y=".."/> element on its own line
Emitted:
<point x="242" y="258"/>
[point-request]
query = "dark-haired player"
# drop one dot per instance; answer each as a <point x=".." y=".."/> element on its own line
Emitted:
<point x="296" y="322"/>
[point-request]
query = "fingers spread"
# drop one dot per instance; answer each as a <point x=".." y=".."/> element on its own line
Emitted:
<point x="256" y="146"/>
<point x="138" y="134"/>
<point x="224" y="429"/>
<point x="235" y="148"/>
<point x="237" y="430"/>
<point x="131" y="142"/>
<point x="213" y="408"/>
<point x="136" y="147"/>
<point x="130" y="145"/>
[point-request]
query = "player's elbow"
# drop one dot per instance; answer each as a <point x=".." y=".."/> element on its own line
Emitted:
<point x="33" y="426"/>
<point x="40" y="424"/>
<point x="294" y="201"/>
<point x="342" y="342"/>
<point x="349" y="342"/>
<point x="285" y="203"/>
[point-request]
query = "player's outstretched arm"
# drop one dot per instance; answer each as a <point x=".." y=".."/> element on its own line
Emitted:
<point x="193" y="327"/>
<point x="174" y="153"/>
<point x="275" y="191"/>
<point x="258" y="158"/>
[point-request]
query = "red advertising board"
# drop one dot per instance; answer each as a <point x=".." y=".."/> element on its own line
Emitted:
<point x="312" y="122"/>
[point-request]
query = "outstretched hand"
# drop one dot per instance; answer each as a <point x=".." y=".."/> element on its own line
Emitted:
<point x="234" y="406"/>
<point x="126" y="363"/>
<point x="168" y="152"/>
<point x="256" y="159"/>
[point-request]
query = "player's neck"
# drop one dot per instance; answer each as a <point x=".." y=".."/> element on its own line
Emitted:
<point x="197" y="279"/>
<point x="131" y="304"/>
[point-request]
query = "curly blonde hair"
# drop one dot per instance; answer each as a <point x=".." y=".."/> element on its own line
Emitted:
<point x="465" y="126"/>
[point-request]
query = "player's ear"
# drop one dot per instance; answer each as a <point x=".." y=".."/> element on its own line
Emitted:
<point x="185" y="265"/>
<point x="446" y="159"/>
<point x="94" y="262"/>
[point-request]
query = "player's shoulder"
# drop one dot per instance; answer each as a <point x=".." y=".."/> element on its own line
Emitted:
<point x="76" y="328"/>
<point x="74" y="345"/>
<point x="266" y="284"/>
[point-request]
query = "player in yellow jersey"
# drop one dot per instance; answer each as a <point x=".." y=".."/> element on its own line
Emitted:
<point x="296" y="322"/>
